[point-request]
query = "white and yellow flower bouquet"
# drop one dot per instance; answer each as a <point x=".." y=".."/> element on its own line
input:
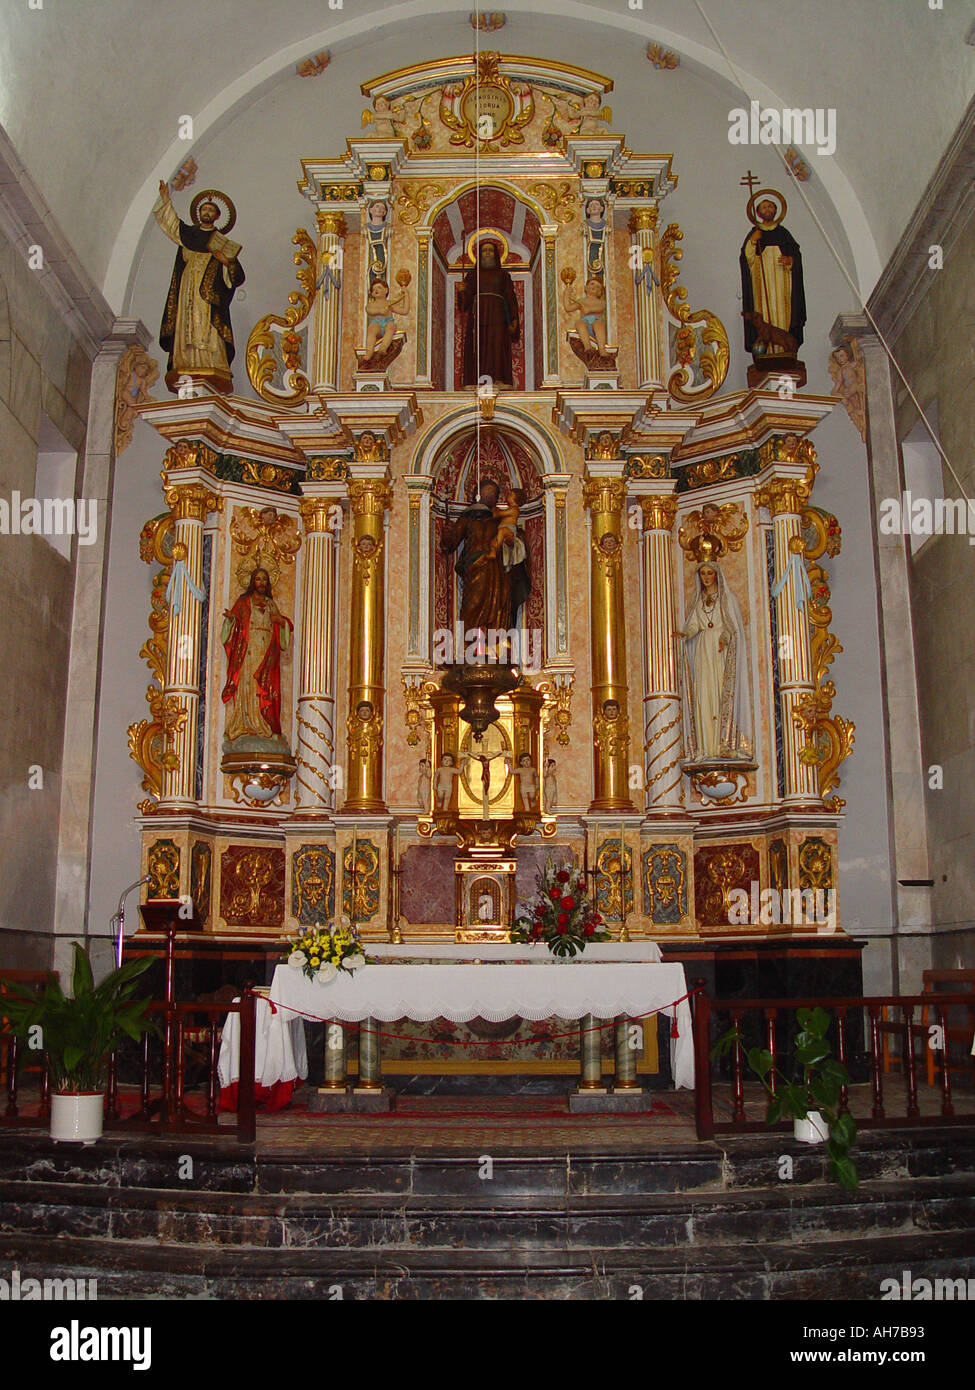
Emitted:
<point x="321" y="952"/>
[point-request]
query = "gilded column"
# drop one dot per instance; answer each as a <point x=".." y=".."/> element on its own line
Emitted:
<point x="643" y="226"/>
<point x="189" y="503"/>
<point x="662" y="733"/>
<point x="604" y="496"/>
<point x="315" y="751"/>
<point x="370" y="495"/>
<point x="785" y="498"/>
<point x="328" y="320"/>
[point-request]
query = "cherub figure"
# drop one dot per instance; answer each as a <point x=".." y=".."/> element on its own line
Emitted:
<point x="591" y="309"/>
<point x="381" y="323"/>
<point x="444" y="782"/>
<point x="551" y="787"/>
<point x="506" y="514"/>
<point x="382" y="119"/>
<point x="424" y="775"/>
<point x="592" y="117"/>
<point x="849" y="382"/>
<point x="527" y="782"/>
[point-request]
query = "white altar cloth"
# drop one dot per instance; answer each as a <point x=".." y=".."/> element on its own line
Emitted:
<point x="532" y="987"/>
<point x="279" y="1048"/>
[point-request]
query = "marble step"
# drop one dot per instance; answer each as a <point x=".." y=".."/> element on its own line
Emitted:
<point x="496" y="1220"/>
<point x="834" y="1269"/>
<point x="722" y="1164"/>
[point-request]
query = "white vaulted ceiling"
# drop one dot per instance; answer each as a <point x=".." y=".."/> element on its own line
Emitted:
<point x="91" y="91"/>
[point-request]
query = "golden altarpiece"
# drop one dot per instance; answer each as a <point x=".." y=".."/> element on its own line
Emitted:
<point x="649" y="494"/>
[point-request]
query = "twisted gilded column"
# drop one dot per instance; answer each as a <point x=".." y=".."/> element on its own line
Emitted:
<point x="603" y="496"/>
<point x="663" y="742"/>
<point x="189" y="503"/>
<point x="370" y="495"/>
<point x="643" y="226"/>
<point x="785" y="498"/>
<point x="315" y="751"/>
<point x="325" y="363"/>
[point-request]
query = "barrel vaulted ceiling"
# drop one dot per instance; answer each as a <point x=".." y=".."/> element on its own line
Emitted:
<point x="91" y="91"/>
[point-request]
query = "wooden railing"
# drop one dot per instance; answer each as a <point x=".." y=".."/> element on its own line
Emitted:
<point x="169" y="1111"/>
<point x="761" y="1020"/>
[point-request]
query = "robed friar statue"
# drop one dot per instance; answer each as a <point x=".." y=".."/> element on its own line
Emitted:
<point x="772" y="290"/>
<point x="488" y="298"/>
<point x="195" y="330"/>
<point x="495" y="580"/>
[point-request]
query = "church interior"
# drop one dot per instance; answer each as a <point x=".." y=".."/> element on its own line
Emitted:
<point x="488" y="753"/>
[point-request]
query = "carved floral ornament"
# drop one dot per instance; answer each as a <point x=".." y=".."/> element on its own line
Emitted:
<point x="712" y="531"/>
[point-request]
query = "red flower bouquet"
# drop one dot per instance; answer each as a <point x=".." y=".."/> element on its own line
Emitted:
<point x="560" y="914"/>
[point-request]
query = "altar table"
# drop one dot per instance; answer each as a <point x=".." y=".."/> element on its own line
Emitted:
<point x="611" y="982"/>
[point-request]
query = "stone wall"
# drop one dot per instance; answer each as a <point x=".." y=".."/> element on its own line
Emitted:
<point x="44" y="371"/>
<point x="936" y="351"/>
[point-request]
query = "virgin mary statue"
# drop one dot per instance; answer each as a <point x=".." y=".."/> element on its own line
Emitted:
<point x="716" y="672"/>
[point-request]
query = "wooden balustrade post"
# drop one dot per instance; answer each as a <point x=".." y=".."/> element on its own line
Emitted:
<point x="737" y="1072"/>
<point x="179" y="1064"/>
<point x="841" y="1055"/>
<point x="876" y="1074"/>
<point x="246" y="1107"/>
<point x="947" y="1108"/>
<point x="111" y="1095"/>
<point x="45" y="1092"/>
<point x="213" y="1081"/>
<point x="770" y="1017"/>
<point x="910" y="1074"/>
<point x="12" y="1111"/>
<point x="703" y="1101"/>
<point x="145" y="1084"/>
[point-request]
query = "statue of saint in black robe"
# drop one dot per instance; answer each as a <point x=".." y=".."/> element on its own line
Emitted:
<point x="772" y="291"/>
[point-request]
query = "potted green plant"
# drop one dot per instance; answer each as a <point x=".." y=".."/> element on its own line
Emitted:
<point x="812" y="1100"/>
<point x="78" y="1034"/>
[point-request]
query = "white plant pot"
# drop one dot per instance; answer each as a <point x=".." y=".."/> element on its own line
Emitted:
<point x="77" y="1119"/>
<point x="812" y="1130"/>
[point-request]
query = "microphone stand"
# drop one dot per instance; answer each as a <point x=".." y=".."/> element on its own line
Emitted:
<point x="119" y="916"/>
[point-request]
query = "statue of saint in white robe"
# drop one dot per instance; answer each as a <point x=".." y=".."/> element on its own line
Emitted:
<point x="716" y="671"/>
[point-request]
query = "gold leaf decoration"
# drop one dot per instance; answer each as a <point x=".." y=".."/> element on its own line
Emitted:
<point x="714" y="357"/>
<point x="261" y="359"/>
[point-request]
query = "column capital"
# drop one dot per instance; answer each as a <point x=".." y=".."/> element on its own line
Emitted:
<point x="851" y="326"/>
<point x="659" y="511"/>
<point x="643" y="219"/>
<point x="604" y="493"/>
<point x="330" y="222"/>
<point x="370" y="496"/>
<point x="318" y="513"/>
<point x="192" y="501"/>
<point x="784" y="496"/>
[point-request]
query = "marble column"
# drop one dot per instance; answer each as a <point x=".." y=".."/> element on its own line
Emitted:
<point x="83" y="690"/>
<point x="328" y="317"/>
<point x="190" y="503"/>
<point x="603" y="495"/>
<point x="663" y="738"/>
<point x="643" y="227"/>
<point x="370" y="495"/>
<point x="905" y="762"/>
<point x="315" y="751"/>
<point x="785" y="498"/>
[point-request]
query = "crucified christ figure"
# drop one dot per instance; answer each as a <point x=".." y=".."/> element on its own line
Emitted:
<point x="485" y="760"/>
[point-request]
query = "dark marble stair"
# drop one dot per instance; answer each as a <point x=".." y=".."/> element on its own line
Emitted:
<point x="694" y="1221"/>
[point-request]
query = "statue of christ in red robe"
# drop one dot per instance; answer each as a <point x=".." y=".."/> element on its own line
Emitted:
<point x="254" y="635"/>
<point x="488" y="298"/>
